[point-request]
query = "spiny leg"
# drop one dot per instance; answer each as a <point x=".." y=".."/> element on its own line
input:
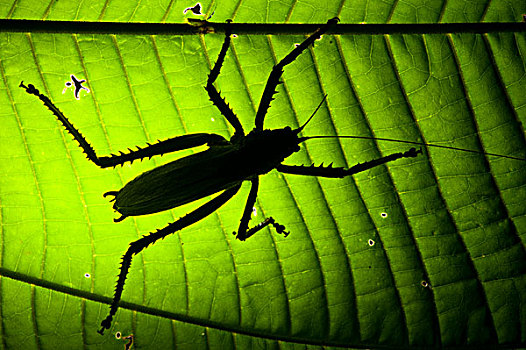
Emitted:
<point x="342" y="172"/>
<point x="140" y="244"/>
<point x="162" y="147"/>
<point x="277" y="71"/>
<point x="173" y="144"/>
<point x="245" y="218"/>
<point x="243" y="232"/>
<point x="215" y="96"/>
<point x="268" y="221"/>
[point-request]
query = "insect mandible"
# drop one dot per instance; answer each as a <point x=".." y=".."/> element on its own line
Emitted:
<point x="220" y="168"/>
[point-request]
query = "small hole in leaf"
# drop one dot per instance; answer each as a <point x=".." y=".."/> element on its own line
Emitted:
<point x="371" y="242"/>
<point x="87" y="275"/>
<point x="384" y="215"/>
<point x="129" y="344"/>
<point x="254" y="211"/>
<point x="196" y="10"/>
<point x="118" y="335"/>
<point x="424" y="284"/>
<point x="78" y="86"/>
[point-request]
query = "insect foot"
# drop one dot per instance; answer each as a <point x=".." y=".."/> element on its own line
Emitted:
<point x="333" y="21"/>
<point x="106" y="324"/>
<point x="279" y="228"/>
<point x="228" y="27"/>
<point x="242" y="236"/>
<point x="30" y="89"/>
<point x="412" y="153"/>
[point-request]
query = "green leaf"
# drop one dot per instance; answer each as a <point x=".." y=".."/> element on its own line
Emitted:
<point x="427" y="251"/>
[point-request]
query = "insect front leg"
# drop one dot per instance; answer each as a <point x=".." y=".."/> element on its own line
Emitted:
<point x="215" y="96"/>
<point x="162" y="147"/>
<point x="140" y="244"/>
<point x="243" y="232"/>
<point x="277" y="71"/>
<point x="173" y="144"/>
<point x="342" y="172"/>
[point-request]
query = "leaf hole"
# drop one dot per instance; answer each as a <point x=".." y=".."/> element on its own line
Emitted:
<point x="196" y="10"/>
<point x="424" y="284"/>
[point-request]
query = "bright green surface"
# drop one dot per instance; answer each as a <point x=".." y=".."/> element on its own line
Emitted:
<point x="454" y="220"/>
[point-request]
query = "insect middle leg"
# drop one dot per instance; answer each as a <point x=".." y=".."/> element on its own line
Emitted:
<point x="243" y="232"/>
<point x="140" y="244"/>
<point x="159" y="148"/>
<point x="277" y="71"/>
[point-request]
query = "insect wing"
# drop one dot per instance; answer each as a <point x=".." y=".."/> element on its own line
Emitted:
<point x="175" y="183"/>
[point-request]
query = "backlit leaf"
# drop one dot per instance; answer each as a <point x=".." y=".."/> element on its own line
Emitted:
<point x="427" y="251"/>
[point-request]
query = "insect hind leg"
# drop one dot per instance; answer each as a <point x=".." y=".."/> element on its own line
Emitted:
<point x="142" y="243"/>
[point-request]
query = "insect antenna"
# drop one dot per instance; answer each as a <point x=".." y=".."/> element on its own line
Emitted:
<point x="298" y="130"/>
<point x="302" y="139"/>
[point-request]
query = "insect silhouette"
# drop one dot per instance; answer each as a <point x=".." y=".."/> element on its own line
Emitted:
<point x="220" y="168"/>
